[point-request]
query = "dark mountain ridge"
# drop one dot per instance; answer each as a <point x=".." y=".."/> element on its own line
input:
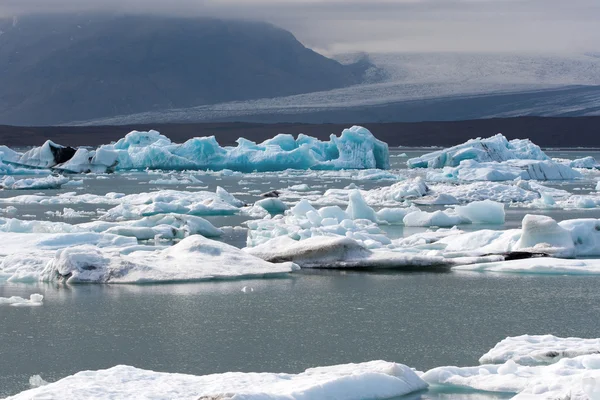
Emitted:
<point x="59" y="68"/>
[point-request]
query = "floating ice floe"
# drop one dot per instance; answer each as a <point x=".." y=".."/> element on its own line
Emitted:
<point x="369" y="380"/>
<point x="495" y="159"/>
<point x="16" y="301"/>
<point x="163" y="226"/>
<point x="496" y="148"/>
<point x="416" y="191"/>
<point x="144" y="204"/>
<point x="570" y="378"/>
<point x="106" y="258"/>
<point x="355" y="148"/>
<point x="195" y="258"/>
<point x="471" y="170"/>
<point x="539" y="349"/>
<point x="49" y="182"/>
<point x="583" y="163"/>
<point x="339" y="252"/>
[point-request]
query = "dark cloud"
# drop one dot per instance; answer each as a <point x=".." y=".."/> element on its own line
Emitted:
<point x="334" y="26"/>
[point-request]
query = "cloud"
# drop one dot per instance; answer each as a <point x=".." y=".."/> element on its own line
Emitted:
<point x="335" y="26"/>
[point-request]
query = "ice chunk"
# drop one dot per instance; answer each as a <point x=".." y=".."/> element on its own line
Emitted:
<point x="47" y="155"/>
<point x="496" y="148"/>
<point x="539" y="349"/>
<point x="439" y="218"/>
<point x="34" y="300"/>
<point x="584" y="163"/>
<point x="338" y="252"/>
<point x="358" y="208"/>
<point x="441" y="199"/>
<point x="570" y="378"/>
<point x="470" y="170"/>
<point x="372" y="380"/>
<point x="482" y="212"/>
<point x="544" y="234"/>
<point x="272" y="205"/>
<point x="50" y="182"/>
<point x="543" y="265"/>
<point x="195" y="258"/>
<point x="393" y="215"/>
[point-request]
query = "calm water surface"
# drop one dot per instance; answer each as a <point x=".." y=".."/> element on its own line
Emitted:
<point x="289" y="324"/>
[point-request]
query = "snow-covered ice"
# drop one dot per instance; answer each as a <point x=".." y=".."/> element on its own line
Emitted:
<point x="369" y="380"/>
<point x="496" y="148"/>
<point x="49" y="182"/>
<point x="339" y="252"/>
<point x="570" y="378"/>
<point x="34" y="300"/>
<point x="539" y="349"/>
<point x="495" y="159"/>
<point x="195" y="258"/>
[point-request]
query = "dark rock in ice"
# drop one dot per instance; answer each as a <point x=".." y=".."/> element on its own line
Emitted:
<point x="274" y="193"/>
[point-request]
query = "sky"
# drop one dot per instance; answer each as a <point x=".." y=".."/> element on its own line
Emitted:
<point x="343" y="26"/>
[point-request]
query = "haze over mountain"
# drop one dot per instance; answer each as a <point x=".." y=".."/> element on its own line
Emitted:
<point x="57" y="68"/>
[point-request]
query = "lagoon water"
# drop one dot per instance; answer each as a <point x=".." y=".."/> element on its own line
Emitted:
<point x="311" y="318"/>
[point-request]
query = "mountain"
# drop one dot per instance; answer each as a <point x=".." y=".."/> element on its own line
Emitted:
<point x="60" y="68"/>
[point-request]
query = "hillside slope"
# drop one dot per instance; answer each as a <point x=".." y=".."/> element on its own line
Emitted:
<point x="59" y="68"/>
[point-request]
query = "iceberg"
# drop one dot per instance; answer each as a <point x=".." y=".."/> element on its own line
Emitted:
<point x="471" y="170"/>
<point x="34" y="300"/>
<point x="369" y="380"/>
<point x="539" y="349"/>
<point x="478" y="212"/>
<point x="542" y="265"/>
<point x="46" y="156"/>
<point x="194" y="258"/>
<point x="339" y="252"/>
<point x="90" y="257"/>
<point x="496" y="148"/>
<point x="355" y="148"/>
<point x="137" y="205"/>
<point x="495" y="159"/>
<point x="570" y="378"/>
<point x="50" y="182"/>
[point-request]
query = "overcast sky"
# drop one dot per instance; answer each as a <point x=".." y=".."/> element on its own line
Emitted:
<point x="339" y="26"/>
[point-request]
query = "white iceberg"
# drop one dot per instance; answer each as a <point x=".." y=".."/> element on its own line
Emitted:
<point x="471" y="170"/>
<point x="494" y="159"/>
<point x="369" y="380"/>
<point x="570" y="378"/>
<point x="163" y="226"/>
<point x="539" y="349"/>
<point x="478" y="212"/>
<point x="50" y="182"/>
<point x="137" y="205"/>
<point x="303" y="221"/>
<point x="195" y="258"/>
<point x="541" y="265"/>
<point x="34" y="300"/>
<point x="496" y="148"/>
<point x="339" y="252"/>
